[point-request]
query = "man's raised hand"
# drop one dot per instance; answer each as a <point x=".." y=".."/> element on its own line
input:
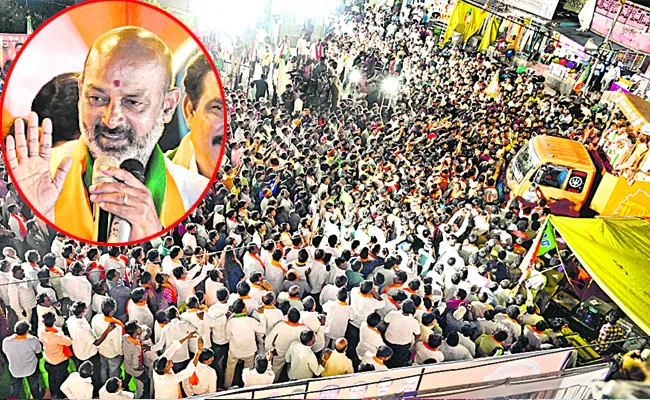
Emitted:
<point x="29" y="162"/>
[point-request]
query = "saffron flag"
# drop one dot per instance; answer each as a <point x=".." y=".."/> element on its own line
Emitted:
<point x="493" y="88"/>
<point x="580" y="83"/>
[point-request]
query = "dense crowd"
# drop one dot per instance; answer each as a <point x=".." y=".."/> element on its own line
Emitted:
<point x="350" y="229"/>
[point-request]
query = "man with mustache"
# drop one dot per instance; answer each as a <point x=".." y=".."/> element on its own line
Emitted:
<point x="125" y="98"/>
<point x="200" y="149"/>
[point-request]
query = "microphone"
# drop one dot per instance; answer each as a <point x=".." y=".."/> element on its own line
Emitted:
<point x="100" y="216"/>
<point x="120" y="231"/>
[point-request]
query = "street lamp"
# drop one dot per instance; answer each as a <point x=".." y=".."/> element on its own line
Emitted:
<point x="390" y="86"/>
<point x="355" y="76"/>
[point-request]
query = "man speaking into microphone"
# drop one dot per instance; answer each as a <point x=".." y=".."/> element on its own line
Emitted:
<point x="125" y="99"/>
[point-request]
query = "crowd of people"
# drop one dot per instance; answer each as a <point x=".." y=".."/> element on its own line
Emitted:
<point x="350" y="229"/>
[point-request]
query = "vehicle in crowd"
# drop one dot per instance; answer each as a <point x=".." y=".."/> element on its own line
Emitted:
<point x="573" y="180"/>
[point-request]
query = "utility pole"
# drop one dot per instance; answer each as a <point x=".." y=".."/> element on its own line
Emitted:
<point x="621" y="4"/>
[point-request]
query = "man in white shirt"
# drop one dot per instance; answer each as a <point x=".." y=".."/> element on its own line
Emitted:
<point x="79" y="384"/>
<point x="115" y="262"/>
<point x="392" y="302"/>
<point x="487" y="325"/>
<point x="137" y="308"/>
<point x="212" y="284"/>
<point x="508" y="322"/>
<point x="258" y="286"/>
<point x="113" y="390"/>
<point x="189" y="238"/>
<point x="31" y="267"/>
<point x="329" y="292"/>
<point x="165" y="381"/>
<point x="241" y="331"/>
<point x="172" y="260"/>
<point x="243" y="291"/>
<point x="302" y="361"/>
<point x="5" y="277"/>
<point x="275" y="271"/>
<point x="261" y="374"/>
<point x="110" y="350"/>
<point x="44" y="305"/>
<point x="339" y="314"/>
<point x="453" y="350"/>
<point x="252" y="262"/>
<point x="378" y="359"/>
<point x="186" y="287"/>
<point x="219" y="334"/>
<point x="205" y="375"/>
<point x="84" y="343"/>
<point x="403" y="329"/>
<point x="57" y="244"/>
<point x="202" y="322"/>
<point x="370" y="338"/>
<point x="281" y="337"/>
<point x="315" y="322"/>
<point x="21" y="296"/>
<point x="76" y="285"/>
<point x="174" y="331"/>
<point x="530" y="317"/>
<point x="429" y="350"/>
<point x="364" y="301"/>
<point x="317" y="274"/>
<point x="272" y="316"/>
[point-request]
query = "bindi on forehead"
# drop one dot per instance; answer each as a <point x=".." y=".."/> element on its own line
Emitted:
<point x="117" y="83"/>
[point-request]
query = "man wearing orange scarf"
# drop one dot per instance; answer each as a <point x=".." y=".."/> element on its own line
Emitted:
<point x="110" y="350"/>
<point x="56" y="354"/>
<point x="133" y="359"/>
<point x="23" y="351"/>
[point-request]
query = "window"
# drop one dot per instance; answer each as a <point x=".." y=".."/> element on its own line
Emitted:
<point x="524" y="161"/>
<point x="551" y="175"/>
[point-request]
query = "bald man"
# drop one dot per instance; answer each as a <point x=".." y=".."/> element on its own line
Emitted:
<point x="125" y="98"/>
<point x="337" y="363"/>
<point x="203" y="108"/>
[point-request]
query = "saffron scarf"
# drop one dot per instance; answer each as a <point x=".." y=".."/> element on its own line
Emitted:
<point x="66" y="349"/>
<point x="137" y="343"/>
<point x="172" y="289"/>
<point x="116" y="322"/>
<point x="21" y="224"/>
<point x="95" y="265"/>
<point x="78" y="219"/>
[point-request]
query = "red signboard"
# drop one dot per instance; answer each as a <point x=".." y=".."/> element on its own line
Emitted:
<point x="632" y="28"/>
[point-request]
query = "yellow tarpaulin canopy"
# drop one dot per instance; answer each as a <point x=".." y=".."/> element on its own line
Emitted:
<point x="616" y="253"/>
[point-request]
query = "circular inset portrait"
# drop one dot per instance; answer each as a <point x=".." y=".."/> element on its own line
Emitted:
<point x="113" y="122"/>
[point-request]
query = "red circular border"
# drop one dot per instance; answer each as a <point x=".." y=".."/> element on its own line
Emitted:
<point x="225" y="122"/>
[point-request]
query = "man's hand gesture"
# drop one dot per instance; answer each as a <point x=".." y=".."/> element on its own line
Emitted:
<point x="29" y="161"/>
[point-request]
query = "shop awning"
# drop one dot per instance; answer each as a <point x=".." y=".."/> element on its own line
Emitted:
<point x="616" y="253"/>
<point x="635" y="109"/>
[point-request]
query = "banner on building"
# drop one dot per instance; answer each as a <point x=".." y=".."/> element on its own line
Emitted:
<point x="9" y="43"/>
<point x="541" y="8"/>
<point x="632" y="28"/>
<point x="466" y="19"/>
<point x="574" y="5"/>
